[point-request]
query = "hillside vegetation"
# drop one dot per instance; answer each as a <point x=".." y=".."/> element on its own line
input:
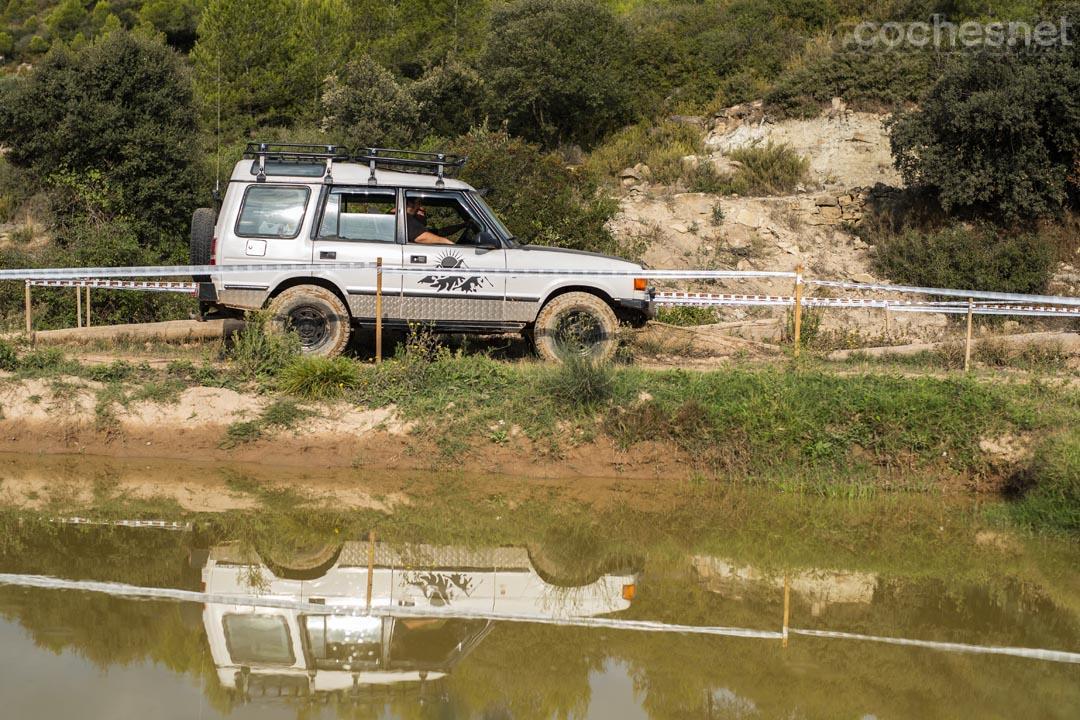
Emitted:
<point x="118" y="117"/>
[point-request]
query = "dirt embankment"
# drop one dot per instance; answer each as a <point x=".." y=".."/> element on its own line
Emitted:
<point x="339" y="448"/>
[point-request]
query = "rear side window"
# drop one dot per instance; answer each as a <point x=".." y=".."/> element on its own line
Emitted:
<point x="272" y="211"/>
<point x="258" y="640"/>
<point x="365" y="215"/>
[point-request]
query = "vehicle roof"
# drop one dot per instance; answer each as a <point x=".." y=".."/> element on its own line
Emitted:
<point x="350" y="173"/>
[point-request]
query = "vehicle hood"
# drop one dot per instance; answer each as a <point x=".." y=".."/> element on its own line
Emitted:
<point x="594" y="258"/>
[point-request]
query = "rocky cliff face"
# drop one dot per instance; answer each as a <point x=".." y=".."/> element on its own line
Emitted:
<point x="850" y="165"/>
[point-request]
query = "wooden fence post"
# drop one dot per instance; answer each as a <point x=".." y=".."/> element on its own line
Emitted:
<point x="378" y="310"/>
<point x="798" y="308"/>
<point x="967" y="342"/>
<point x="787" y="607"/>
<point x="370" y="566"/>
<point x="29" y="313"/>
<point x="78" y="306"/>
<point x="87" y="306"/>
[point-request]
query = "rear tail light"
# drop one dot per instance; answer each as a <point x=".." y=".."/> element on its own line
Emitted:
<point x="640" y="283"/>
<point x="213" y="250"/>
<point x="628" y="592"/>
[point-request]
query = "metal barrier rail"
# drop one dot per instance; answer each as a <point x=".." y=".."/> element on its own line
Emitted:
<point x="151" y="271"/>
<point x="675" y="299"/>
<point x="133" y="591"/>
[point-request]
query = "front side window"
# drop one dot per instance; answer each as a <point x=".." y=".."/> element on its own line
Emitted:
<point x="362" y="215"/>
<point x="272" y="212"/>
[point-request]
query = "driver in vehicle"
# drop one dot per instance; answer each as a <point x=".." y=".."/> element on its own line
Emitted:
<point x="417" y="229"/>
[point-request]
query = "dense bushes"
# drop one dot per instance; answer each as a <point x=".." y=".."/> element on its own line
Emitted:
<point x="557" y="71"/>
<point x="982" y="257"/>
<point x="764" y="170"/>
<point x="998" y="136"/>
<point x="534" y="194"/>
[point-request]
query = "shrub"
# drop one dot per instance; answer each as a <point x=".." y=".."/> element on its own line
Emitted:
<point x="997" y="136"/>
<point x="774" y="169"/>
<point x="686" y="315"/>
<point x="365" y="106"/>
<point x="450" y="97"/>
<point x="9" y="361"/>
<point x="557" y="70"/>
<point x="662" y="147"/>
<point x="865" y="81"/>
<point x="258" y="352"/>
<point x="580" y="381"/>
<point x="979" y="258"/>
<point x="319" y="378"/>
<point x="534" y="194"/>
<point x="121" y="107"/>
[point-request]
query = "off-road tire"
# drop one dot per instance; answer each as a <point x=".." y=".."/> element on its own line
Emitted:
<point x="599" y="344"/>
<point x="203" y="221"/>
<point x="301" y="561"/>
<point x="316" y="315"/>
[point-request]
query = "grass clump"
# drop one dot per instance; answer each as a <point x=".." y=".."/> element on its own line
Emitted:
<point x="319" y="378"/>
<point x="9" y="359"/>
<point x="580" y="382"/>
<point x="662" y="148"/>
<point x="282" y="414"/>
<point x="772" y="169"/>
<point x="686" y="315"/>
<point x="1049" y="489"/>
<point x="258" y="352"/>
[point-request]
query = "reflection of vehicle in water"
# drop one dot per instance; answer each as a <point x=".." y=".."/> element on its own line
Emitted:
<point x="306" y="652"/>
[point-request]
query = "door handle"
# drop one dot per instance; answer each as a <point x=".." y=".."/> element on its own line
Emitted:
<point x="327" y="255"/>
<point x="418" y="258"/>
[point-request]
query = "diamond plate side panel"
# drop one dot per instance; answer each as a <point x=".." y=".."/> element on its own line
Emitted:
<point x="464" y="309"/>
<point x="521" y="310"/>
<point x="363" y="306"/>
<point x="355" y="554"/>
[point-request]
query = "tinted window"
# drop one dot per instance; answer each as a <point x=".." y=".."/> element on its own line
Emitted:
<point x="258" y="639"/>
<point x="296" y="169"/>
<point x="273" y="212"/>
<point x="360" y="215"/>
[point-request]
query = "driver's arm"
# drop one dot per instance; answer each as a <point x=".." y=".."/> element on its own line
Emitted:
<point x="430" y="238"/>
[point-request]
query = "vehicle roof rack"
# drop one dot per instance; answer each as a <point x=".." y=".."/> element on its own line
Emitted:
<point x="442" y="165"/>
<point x="297" y="153"/>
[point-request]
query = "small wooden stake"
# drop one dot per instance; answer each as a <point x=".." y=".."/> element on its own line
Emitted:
<point x="967" y="343"/>
<point x="87" y="307"/>
<point x="29" y="321"/>
<point x="370" y="566"/>
<point x="78" y="306"/>
<point x="787" y="607"/>
<point x="798" y="308"/>
<point x="378" y="310"/>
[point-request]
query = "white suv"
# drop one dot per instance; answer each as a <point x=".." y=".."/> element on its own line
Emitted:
<point x="289" y="204"/>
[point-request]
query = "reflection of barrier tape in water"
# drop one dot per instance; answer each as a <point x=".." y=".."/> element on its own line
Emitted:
<point x="133" y="591"/>
<point x="155" y="524"/>
<point x="109" y="284"/>
<point x="675" y="299"/>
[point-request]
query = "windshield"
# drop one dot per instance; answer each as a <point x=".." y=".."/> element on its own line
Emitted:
<point x="486" y="209"/>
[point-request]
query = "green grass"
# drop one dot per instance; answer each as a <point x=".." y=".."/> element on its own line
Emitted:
<point x="281" y="414"/>
<point x="1048" y="490"/>
<point x="686" y="315"/>
<point x="319" y="378"/>
<point x="766" y="170"/>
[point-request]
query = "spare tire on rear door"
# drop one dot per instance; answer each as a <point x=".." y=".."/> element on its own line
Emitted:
<point x="203" y="221"/>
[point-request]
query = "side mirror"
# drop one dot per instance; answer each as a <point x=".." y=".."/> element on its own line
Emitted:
<point x="487" y="241"/>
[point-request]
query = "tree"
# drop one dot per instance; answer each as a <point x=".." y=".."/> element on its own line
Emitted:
<point x="113" y="121"/>
<point x="998" y="136"/>
<point x="534" y="194"/>
<point x="178" y="19"/>
<point x="243" y="62"/>
<point x="417" y="34"/>
<point x="451" y="98"/>
<point x="365" y="106"/>
<point x="67" y="18"/>
<point x="322" y="40"/>
<point x="556" y="70"/>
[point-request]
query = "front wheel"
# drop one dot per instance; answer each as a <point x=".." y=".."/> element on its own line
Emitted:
<point x="316" y="315"/>
<point x="576" y="323"/>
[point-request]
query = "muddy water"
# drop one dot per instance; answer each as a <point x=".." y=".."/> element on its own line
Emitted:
<point x="271" y="623"/>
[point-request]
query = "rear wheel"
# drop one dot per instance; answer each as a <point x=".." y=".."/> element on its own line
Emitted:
<point x="576" y="323"/>
<point x="316" y="315"/>
<point x="203" y="221"/>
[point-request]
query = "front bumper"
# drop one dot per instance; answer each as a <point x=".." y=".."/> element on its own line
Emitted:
<point x="646" y="309"/>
